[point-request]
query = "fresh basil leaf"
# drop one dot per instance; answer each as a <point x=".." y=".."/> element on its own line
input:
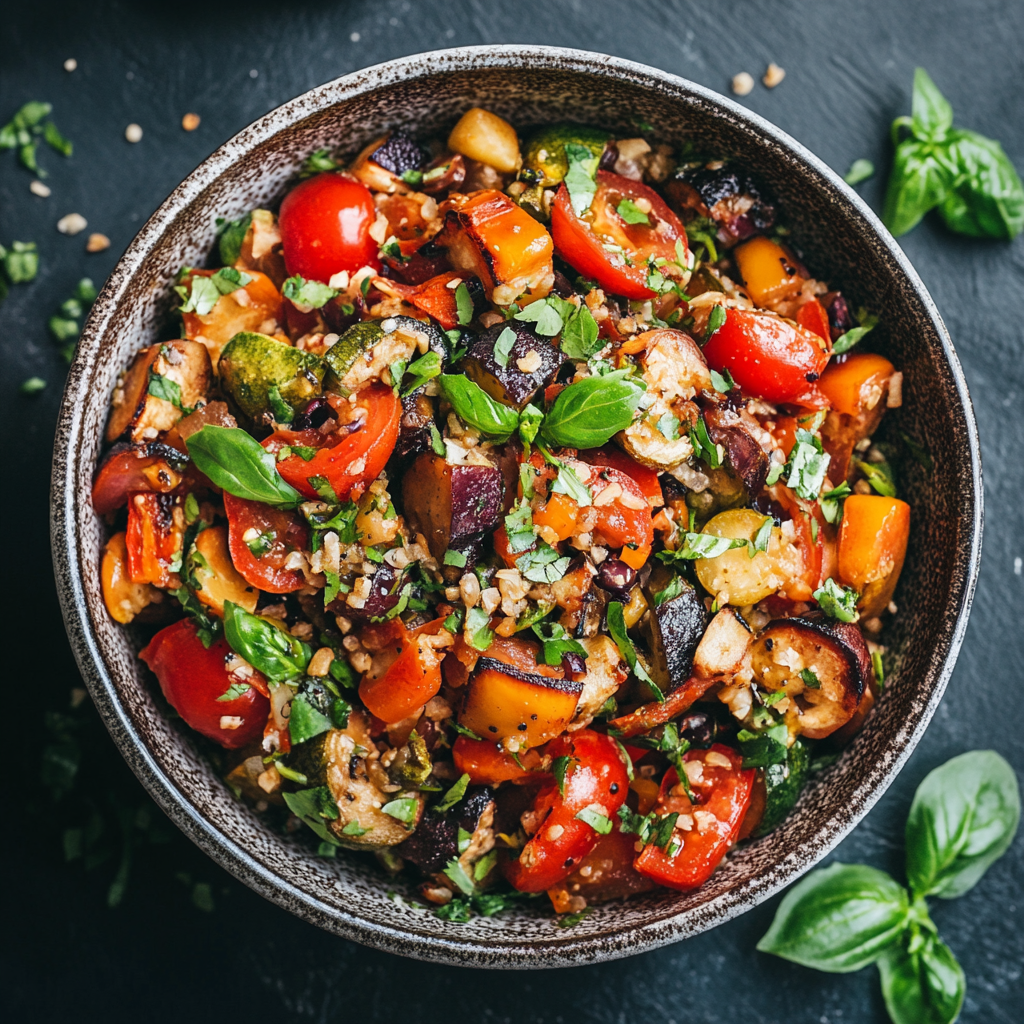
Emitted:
<point x="836" y="601"/>
<point x="595" y="819"/>
<point x="234" y="691"/>
<point x="503" y="346"/>
<point x="580" y="176"/>
<point x="703" y="447"/>
<point x="529" y="423"/>
<point x="931" y="114"/>
<point x="519" y="527"/>
<point x="807" y="466"/>
<point x="478" y="632"/>
<point x="308" y="805"/>
<point x="963" y="818"/>
<point x="463" y="304"/>
<point x="556" y="642"/>
<point x="228" y="280"/>
<point x="353" y="828"/>
<point x="305" y="721"/>
<point x="456" y="558"/>
<point x="588" y="413"/>
<point x="810" y="679"/>
<point x="232" y="235"/>
<point x="617" y="628"/>
<point x="436" y="441"/>
<point x="762" y="538"/>
<point x="403" y="809"/>
<point x="860" y="170"/>
<point x="987" y="197"/>
<point x="923" y="987"/>
<point x="240" y="465"/>
<point x="631" y="213"/>
<point x="701" y="545"/>
<point x="318" y="161"/>
<point x="474" y="406"/>
<point x="918" y="182"/>
<point x="268" y="648"/>
<point x="838" y="919"/>
<point x="716" y="318"/>
<point x="763" y="749"/>
<point x="546" y="315"/>
<point x="166" y="389"/>
<point x="203" y="295"/>
<point x="580" y="335"/>
<point x="543" y="564"/>
<point x="307" y="295"/>
<point x="668" y="425"/>
<point x="846" y="341"/>
<point x="722" y="382"/>
<point x="454" y="795"/>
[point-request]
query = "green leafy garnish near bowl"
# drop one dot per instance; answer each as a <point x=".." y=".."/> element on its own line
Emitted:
<point x="966" y="175"/>
<point x="843" y="917"/>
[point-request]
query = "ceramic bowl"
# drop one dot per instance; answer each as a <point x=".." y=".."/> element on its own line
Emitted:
<point x="842" y="241"/>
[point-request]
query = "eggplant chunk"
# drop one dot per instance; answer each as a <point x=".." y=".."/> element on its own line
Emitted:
<point x="674" y="627"/>
<point x="348" y="763"/>
<point x="822" y="667"/>
<point x="163" y="383"/>
<point x="451" y="505"/>
<point x="581" y="602"/>
<point x="265" y="379"/>
<point x="398" y="153"/>
<point x="606" y="672"/>
<point x="531" y="364"/>
<point x="724" y="646"/>
<point x="727" y="195"/>
<point x="745" y="457"/>
<point x="436" y="840"/>
<point x="414" y="434"/>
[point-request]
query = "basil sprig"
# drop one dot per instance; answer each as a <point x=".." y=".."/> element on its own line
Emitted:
<point x="268" y="648"/>
<point x="966" y="175"/>
<point x="237" y="463"/>
<point x="474" y="406"/>
<point x="590" y="412"/>
<point x="846" y="916"/>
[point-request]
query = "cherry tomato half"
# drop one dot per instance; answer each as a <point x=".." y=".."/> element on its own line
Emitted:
<point x="325" y="227"/>
<point x="260" y="555"/>
<point x="595" y="784"/>
<point x="351" y="457"/>
<point x="769" y="357"/>
<point x="581" y="241"/>
<point x="193" y="678"/>
<point x="692" y="855"/>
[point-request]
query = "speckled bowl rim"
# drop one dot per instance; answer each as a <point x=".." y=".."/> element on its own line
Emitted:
<point x="65" y="539"/>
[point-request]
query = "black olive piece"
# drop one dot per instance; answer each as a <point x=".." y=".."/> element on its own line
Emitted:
<point x="616" y="577"/>
<point x="316" y="414"/>
<point x="398" y="154"/>
<point x="573" y="663"/>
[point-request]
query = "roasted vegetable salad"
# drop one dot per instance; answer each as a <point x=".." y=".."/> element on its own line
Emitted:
<point x="507" y="509"/>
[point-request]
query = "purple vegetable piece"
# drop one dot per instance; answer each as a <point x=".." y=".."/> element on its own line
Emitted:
<point x="476" y="500"/>
<point x="436" y="839"/>
<point x="398" y="154"/>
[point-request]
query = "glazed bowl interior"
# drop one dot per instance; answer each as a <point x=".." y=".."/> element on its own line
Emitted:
<point x="842" y="243"/>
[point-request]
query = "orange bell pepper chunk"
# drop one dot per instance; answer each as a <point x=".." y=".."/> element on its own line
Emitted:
<point x="872" y="546"/>
<point x="768" y="275"/>
<point x="855" y="385"/>
<point x="486" y="765"/>
<point x="156" y="526"/>
<point x="635" y="558"/>
<point x="408" y="682"/>
<point x="559" y="514"/>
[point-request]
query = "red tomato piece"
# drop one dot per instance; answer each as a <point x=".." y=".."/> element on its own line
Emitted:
<point x="812" y="315"/>
<point x="810" y="542"/>
<point x="769" y="357"/>
<point x="486" y="765"/>
<point x="723" y="792"/>
<point x="325" y="227"/>
<point x="279" y="530"/>
<point x="193" y="677"/>
<point x="348" y="459"/>
<point x="596" y="784"/>
<point x="409" y="681"/>
<point x="140" y="467"/>
<point x="616" y="458"/>
<point x="581" y="241"/>
<point x="156" y="526"/>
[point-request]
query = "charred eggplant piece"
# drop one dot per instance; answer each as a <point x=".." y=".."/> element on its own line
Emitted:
<point x="745" y="456"/>
<point x="674" y="627"/>
<point x="510" y="383"/>
<point x="385" y="593"/>
<point x="451" y="505"/>
<point x="821" y="665"/>
<point x="606" y="671"/>
<point x="728" y="195"/>
<point x="398" y="153"/>
<point x="581" y="602"/>
<point x="414" y="434"/>
<point x="436" y="841"/>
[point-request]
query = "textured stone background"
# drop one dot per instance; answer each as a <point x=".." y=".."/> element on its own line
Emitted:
<point x="157" y="957"/>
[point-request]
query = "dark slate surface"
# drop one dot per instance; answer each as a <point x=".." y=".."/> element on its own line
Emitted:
<point x="159" y="958"/>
